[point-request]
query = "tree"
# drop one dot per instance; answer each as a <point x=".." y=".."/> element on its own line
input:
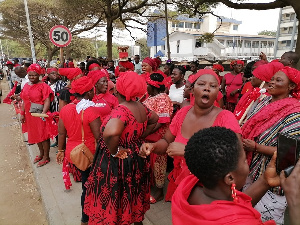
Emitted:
<point x="240" y="4"/>
<point x="145" y="50"/>
<point x="43" y="16"/>
<point x="268" y="33"/>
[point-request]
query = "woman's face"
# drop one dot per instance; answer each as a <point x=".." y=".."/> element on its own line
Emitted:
<point x="255" y="82"/>
<point x="242" y="169"/>
<point x="166" y="70"/>
<point x="238" y="68"/>
<point x="102" y="85"/>
<point x="146" y="68"/>
<point x="34" y="77"/>
<point x="187" y="90"/>
<point x="176" y="76"/>
<point x="53" y="76"/>
<point x="279" y="86"/>
<point x="193" y="68"/>
<point x="206" y="89"/>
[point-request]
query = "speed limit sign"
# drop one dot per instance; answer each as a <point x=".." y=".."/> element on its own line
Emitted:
<point x="60" y="36"/>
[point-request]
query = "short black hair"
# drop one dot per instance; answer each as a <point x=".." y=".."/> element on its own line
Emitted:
<point x="158" y="77"/>
<point x="171" y="66"/>
<point x="182" y="69"/>
<point x="248" y="69"/>
<point x="90" y="62"/>
<point x="212" y="153"/>
<point x="293" y="56"/>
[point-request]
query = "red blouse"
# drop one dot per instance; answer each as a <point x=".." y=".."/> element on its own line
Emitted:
<point x="104" y="103"/>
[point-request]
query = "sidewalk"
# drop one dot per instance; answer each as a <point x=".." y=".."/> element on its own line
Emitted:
<point x="63" y="207"/>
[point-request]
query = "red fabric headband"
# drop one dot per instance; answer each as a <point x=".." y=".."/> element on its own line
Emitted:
<point x="35" y="68"/>
<point x="218" y="67"/>
<point x="70" y="73"/>
<point x="96" y="75"/>
<point x="267" y="71"/>
<point x="126" y="64"/>
<point x="154" y="83"/>
<point x="82" y="85"/>
<point x="50" y="70"/>
<point x="204" y="72"/>
<point x="93" y="65"/>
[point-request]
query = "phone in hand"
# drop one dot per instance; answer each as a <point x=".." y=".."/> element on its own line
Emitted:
<point x="288" y="150"/>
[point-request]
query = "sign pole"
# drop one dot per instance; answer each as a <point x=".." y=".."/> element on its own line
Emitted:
<point x="61" y="57"/>
<point x="30" y="32"/>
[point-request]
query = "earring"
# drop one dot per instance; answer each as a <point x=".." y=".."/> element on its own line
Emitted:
<point x="233" y="193"/>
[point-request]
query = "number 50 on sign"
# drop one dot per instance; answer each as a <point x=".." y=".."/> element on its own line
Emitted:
<point x="60" y="36"/>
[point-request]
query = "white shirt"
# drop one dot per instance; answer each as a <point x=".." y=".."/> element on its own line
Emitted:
<point x="176" y="94"/>
<point x="24" y="81"/>
<point x="138" y="68"/>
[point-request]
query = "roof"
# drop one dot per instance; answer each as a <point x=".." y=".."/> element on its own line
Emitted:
<point x="229" y="20"/>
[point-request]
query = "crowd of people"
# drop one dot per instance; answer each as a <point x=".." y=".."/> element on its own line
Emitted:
<point x="216" y="132"/>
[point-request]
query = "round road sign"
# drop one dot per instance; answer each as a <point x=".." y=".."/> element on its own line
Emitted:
<point x="60" y="36"/>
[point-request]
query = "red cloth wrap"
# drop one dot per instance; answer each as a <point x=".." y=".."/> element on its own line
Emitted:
<point x="204" y="72"/>
<point x="267" y="71"/>
<point x="259" y="63"/>
<point x="50" y="70"/>
<point x="294" y="76"/>
<point x="52" y="124"/>
<point x="131" y="85"/>
<point x="235" y="62"/>
<point x="123" y="55"/>
<point x="35" y="68"/>
<point x="128" y="65"/>
<point x="66" y="175"/>
<point x="93" y="65"/>
<point x="153" y="83"/>
<point x="7" y="99"/>
<point x="82" y="85"/>
<point x="267" y="117"/>
<point x="95" y="75"/>
<point x="151" y="63"/>
<point x="70" y="73"/>
<point x="9" y="63"/>
<point x="218" y="67"/>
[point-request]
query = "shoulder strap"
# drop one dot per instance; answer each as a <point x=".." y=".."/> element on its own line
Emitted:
<point x="82" y="131"/>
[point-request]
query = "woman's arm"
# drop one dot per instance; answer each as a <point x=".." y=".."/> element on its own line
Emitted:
<point x="95" y="128"/>
<point x="252" y="146"/>
<point x="62" y="135"/>
<point x="61" y="104"/>
<point x="46" y="105"/>
<point x="151" y="124"/>
<point x="223" y="85"/>
<point x="111" y="135"/>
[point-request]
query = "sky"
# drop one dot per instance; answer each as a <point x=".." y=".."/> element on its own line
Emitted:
<point x="253" y="21"/>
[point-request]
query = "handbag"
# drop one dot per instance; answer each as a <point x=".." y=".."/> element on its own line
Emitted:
<point x="36" y="108"/>
<point x="81" y="155"/>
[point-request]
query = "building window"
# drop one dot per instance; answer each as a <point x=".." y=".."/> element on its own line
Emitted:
<point x="235" y="27"/>
<point x="263" y="44"/>
<point x="290" y="30"/>
<point x="230" y="43"/>
<point x="255" y="44"/>
<point x="178" y="45"/>
<point x="287" y="15"/>
<point x="180" y="25"/>
<point x="221" y="41"/>
<point x="188" y="25"/>
<point x="292" y="17"/>
<point x="197" y="26"/>
<point x="247" y="44"/>
<point x="288" y="43"/>
<point x="198" y="43"/>
<point x="173" y="24"/>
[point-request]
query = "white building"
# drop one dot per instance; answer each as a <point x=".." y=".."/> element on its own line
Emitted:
<point x="287" y="31"/>
<point x="227" y="43"/>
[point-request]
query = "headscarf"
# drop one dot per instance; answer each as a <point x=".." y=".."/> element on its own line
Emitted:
<point x="70" y="73"/>
<point x="95" y="75"/>
<point x="35" y="68"/>
<point x="204" y="72"/>
<point x="50" y="70"/>
<point x="9" y="63"/>
<point x="128" y="65"/>
<point x="259" y="63"/>
<point x="294" y="76"/>
<point x="131" y="85"/>
<point x="157" y="61"/>
<point x="236" y="62"/>
<point x="93" y="65"/>
<point x="267" y="71"/>
<point x="154" y="83"/>
<point x="218" y="67"/>
<point x="82" y="85"/>
<point x="151" y="63"/>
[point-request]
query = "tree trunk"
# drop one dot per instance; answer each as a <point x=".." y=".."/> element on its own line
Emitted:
<point x="109" y="30"/>
<point x="50" y="53"/>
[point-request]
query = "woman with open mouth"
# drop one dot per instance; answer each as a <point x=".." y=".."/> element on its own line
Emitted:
<point x="189" y="120"/>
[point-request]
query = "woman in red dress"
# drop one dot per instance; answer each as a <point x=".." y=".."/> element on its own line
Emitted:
<point x="232" y="84"/>
<point x="159" y="102"/>
<point x="37" y="92"/>
<point x="118" y="188"/>
<point x="70" y="124"/>
<point x="104" y="101"/>
<point x="201" y="115"/>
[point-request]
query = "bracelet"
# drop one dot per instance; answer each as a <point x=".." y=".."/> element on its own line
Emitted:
<point x="61" y="150"/>
<point x="116" y="152"/>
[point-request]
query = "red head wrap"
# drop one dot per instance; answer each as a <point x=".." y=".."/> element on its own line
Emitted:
<point x="36" y="68"/>
<point x="70" y="73"/>
<point x="151" y="63"/>
<point x="236" y="62"/>
<point x="204" y="72"/>
<point x="96" y="75"/>
<point x="218" y="67"/>
<point x="191" y="79"/>
<point x="128" y="65"/>
<point x="93" y="65"/>
<point x="259" y="63"/>
<point x="50" y="70"/>
<point x="267" y="71"/>
<point x="157" y="61"/>
<point x="294" y="76"/>
<point x="154" y="83"/>
<point x="82" y="85"/>
<point x="9" y="63"/>
<point x="131" y="85"/>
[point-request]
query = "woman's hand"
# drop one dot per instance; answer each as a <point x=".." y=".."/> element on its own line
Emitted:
<point x="175" y="149"/>
<point x="270" y="174"/>
<point x="122" y="153"/>
<point x="60" y="157"/>
<point x="22" y="119"/>
<point x="234" y="92"/>
<point x="249" y="145"/>
<point x="146" y="149"/>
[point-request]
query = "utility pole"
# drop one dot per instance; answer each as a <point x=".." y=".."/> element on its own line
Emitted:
<point x="167" y="31"/>
<point x="30" y="32"/>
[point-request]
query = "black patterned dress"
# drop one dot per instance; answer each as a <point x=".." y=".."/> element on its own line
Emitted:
<point x="118" y="191"/>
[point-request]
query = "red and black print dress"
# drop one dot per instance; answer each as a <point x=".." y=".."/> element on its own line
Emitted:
<point x="118" y="191"/>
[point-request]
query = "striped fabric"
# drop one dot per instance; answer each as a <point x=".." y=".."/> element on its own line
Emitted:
<point x="56" y="87"/>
